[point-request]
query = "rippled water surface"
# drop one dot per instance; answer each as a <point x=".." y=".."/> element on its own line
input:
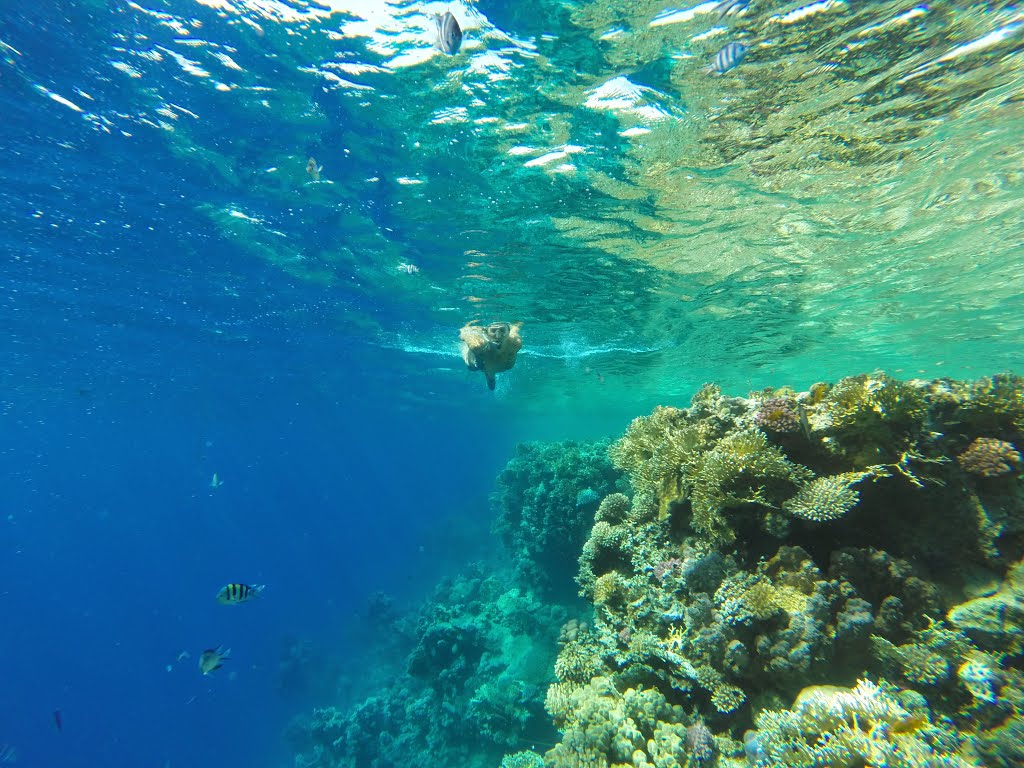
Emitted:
<point x="847" y="198"/>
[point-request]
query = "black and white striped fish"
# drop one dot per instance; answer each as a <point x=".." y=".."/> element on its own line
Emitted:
<point x="233" y="594"/>
<point x="731" y="7"/>
<point x="449" y="33"/>
<point x="729" y="57"/>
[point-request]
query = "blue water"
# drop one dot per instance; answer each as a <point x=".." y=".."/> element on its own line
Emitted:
<point x="118" y="410"/>
<point x="147" y="349"/>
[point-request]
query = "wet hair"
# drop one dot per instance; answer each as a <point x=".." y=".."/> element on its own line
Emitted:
<point x="497" y="331"/>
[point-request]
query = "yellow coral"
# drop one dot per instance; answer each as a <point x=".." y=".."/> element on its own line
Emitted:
<point x="654" y="451"/>
<point x="606" y="587"/>
<point x="742" y="468"/>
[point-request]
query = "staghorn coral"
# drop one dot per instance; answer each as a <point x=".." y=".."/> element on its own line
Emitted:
<point x="988" y="457"/>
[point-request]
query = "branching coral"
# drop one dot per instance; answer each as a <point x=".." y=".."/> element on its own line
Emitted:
<point x="832" y="727"/>
<point x="871" y="418"/>
<point x="602" y="726"/>
<point x="742" y="468"/>
<point x="654" y="451"/>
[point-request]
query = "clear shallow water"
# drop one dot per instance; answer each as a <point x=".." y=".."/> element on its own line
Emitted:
<point x="847" y="199"/>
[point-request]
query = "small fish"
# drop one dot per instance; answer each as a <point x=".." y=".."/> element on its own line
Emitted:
<point x="805" y="425"/>
<point x="909" y="724"/>
<point x="313" y="169"/>
<point x="233" y="594"/>
<point x="449" y="33"/>
<point x="731" y="7"/>
<point x="729" y="57"/>
<point x="213" y="659"/>
<point x="216" y="482"/>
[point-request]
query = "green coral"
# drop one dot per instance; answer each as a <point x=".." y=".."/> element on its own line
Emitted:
<point x="743" y="468"/>
<point x="825" y="498"/>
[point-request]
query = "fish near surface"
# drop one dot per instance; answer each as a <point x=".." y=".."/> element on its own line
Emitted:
<point x="449" y="33"/>
<point x="728" y="58"/>
<point x="731" y="7"/>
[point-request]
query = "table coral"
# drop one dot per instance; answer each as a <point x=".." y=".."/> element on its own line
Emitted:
<point x="825" y="498"/>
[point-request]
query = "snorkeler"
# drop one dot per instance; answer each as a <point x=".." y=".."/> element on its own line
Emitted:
<point x="490" y="348"/>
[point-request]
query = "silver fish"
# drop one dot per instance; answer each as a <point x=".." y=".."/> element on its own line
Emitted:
<point x="729" y="57"/>
<point x="213" y="659"/>
<point x="449" y="33"/>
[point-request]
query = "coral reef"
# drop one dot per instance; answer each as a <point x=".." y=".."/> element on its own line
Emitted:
<point x="989" y="457"/>
<point x="778" y="548"/>
<point x="834" y="727"/>
<point x="821" y="579"/>
<point x="545" y="502"/>
<point x="479" y="656"/>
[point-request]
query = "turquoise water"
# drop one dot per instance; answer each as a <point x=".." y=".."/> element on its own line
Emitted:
<point x="241" y="236"/>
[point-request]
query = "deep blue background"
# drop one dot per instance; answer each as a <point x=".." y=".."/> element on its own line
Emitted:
<point x="121" y="395"/>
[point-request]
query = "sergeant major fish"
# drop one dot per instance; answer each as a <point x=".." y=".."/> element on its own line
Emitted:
<point x="233" y="594"/>
<point x="213" y="659"/>
<point x="729" y="57"/>
<point x="449" y="33"/>
<point x="731" y="7"/>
